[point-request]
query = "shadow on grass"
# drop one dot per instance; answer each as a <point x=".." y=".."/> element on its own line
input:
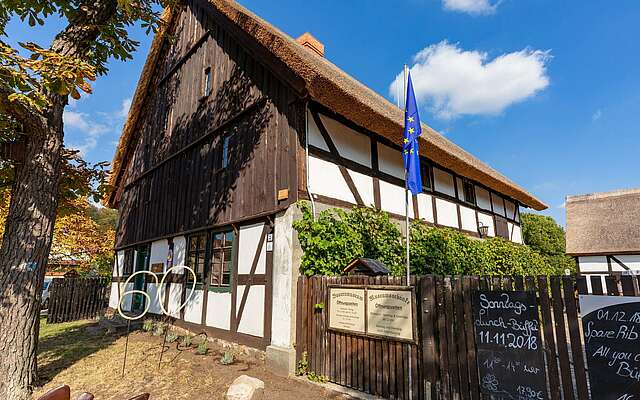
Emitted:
<point x="62" y="345"/>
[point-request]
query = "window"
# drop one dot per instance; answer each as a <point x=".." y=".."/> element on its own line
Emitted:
<point x="127" y="267"/>
<point x="221" y="258"/>
<point x="197" y="252"/>
<point x="208" y="82"/>
<point x="502" y="227"/>
<point x="225" y="148"/>
<point x="469" y="192"/>
<point x="425" y="173"/>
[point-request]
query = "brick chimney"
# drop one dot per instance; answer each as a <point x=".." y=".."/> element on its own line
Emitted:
<point x="311" y="43"/>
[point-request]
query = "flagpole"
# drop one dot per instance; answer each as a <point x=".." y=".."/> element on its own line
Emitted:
<point x="406" y="220"/>
<point x="406" y="191"/>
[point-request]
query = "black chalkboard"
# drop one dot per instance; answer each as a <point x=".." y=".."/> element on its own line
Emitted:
<point x="611" y="328"/>
<point x="509" y="350"/>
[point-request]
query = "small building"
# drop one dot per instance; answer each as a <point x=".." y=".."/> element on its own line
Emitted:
<point x="366" y="266"/>
<point x="233" y="122"/>
<point x="603" y="232"/>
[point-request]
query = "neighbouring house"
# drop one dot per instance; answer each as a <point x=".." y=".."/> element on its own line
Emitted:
<point x="232" y="123"/>
<point x="603" y="232"/>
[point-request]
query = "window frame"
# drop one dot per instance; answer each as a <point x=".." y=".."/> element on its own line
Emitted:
<point x="465" y="185"/>
<point x="232" y="262"/>
<point x="425" y="174"/>
<point x="200" y="277"/>
<point x="207" y="86"/>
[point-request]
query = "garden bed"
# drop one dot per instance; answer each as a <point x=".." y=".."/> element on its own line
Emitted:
<point x="77" y="355"/>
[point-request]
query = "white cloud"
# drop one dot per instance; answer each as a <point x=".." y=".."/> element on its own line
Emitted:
<point x="453" y="81"/>
<point x="596" y="115"/>
<point x="474" y="7"/>
<point x="124" y="108"/>
<point x="82" y="122"/>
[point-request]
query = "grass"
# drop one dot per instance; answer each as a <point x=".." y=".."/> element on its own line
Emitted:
<point x="61" y="345"/>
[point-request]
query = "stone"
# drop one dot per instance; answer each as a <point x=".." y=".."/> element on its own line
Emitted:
<point x="245" y="388"/>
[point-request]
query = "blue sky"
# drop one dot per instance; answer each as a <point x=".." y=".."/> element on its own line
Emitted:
<point x="545" y="91"/>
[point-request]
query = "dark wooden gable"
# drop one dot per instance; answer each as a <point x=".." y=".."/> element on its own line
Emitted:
<point x="173" y="182"/>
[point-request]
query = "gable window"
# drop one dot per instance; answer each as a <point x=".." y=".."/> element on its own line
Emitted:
<point x="208" y="82"/>
<point x="469" y="192"/>
<point x="197" y="251"/>
<point x="221" y="258"/>
<point x="425" y="174"/>
<point x="224" y="151"/>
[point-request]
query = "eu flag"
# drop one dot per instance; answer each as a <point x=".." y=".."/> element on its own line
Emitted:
<point x="412" y="131"/>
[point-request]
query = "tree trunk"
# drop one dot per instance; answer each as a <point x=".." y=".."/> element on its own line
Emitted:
<point x="24" y="253"/>
<point x="30" y="221"/>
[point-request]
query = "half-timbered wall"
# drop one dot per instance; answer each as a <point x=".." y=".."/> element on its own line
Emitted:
<point x="605" y="265"/>
<point x="348" y="165"/>
<point x="176" y="180"/>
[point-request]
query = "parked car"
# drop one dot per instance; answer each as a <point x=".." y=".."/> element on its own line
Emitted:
<point x="45" y="293"/>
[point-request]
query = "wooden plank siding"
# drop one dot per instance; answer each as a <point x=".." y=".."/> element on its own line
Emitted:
<point x="444" y="361"/>
<point x="172" y="185"/>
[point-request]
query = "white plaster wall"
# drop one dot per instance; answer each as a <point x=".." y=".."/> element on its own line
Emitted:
<point x="447" y="213"/>
<point x="632" y="261"/>
<point x="364" y="183"/>
<point x="392" y="199"/>
<point x="351" y="145"/>
<point x="113" y="296"/>
<point x="159" y="252"/>
<point x="154" y="304"/>
<point x="511" y="209"/>
<point x="593" y="263"/>
<point x="516" y="233"/>
<point x="483" y="199"/>
<point x="425" y="207"/>
<point x="315" y="137"/>
<point x="460" y="188"/>
<point x="175" y="299"/>
<point x="443" y="183"/>
<point x="193" y="309"/>
<point x="284" y="278"/>
<point x="118" y="264"/>
<point x="252" y="321"/>
<point x="248" y="241"/>
<point x="468" y="219"/>
<point x="114" y="299"/>
<point x="390" y="161"/>
<point x="219" y="310"/>
<point x="487" y="220"/>
<point x="498" y="206"/>
<point x="179" y="253"/>
<point x="325" y="179"/>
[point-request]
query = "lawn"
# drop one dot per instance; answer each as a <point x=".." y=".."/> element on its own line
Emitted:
<point x="75" y="354"/>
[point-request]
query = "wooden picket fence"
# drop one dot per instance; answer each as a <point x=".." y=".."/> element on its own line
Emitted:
<point x="72" y="299"/>
<point x="443" y="362"/>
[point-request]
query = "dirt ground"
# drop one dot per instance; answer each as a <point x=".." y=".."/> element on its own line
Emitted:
<point x="75" y="355"/>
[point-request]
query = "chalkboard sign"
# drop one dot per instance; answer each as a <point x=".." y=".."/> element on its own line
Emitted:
<point x="611" y="328"/>
<point x="509" y="350"/>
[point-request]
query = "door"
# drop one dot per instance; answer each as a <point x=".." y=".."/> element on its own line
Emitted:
<point x="142" y="264"/>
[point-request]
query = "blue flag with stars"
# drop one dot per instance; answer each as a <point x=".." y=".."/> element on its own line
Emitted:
<point x="412" y="130"/>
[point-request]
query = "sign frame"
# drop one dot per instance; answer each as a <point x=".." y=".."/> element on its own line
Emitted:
<point x="414" y="316"/>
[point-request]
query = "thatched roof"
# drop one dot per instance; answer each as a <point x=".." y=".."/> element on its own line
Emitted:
<point x="604" y="223"/>
<point x="330" y="86"/>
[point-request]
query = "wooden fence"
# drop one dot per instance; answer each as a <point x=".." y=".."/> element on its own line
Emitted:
<point x="72" y="299"/>
<point x="443" y="362"/>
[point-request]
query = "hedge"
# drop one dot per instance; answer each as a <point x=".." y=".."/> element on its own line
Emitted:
<point x="335" y="237"/>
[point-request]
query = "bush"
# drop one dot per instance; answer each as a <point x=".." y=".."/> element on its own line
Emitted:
<point x="336" y="237"/>
<point x="546" y="237"/>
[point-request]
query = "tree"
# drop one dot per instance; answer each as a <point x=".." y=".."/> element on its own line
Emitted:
<point x="545" y="236"/>
<point x="34" y="91"/>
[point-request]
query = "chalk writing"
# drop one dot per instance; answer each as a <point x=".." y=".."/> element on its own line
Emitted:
<point x="509" y="351"/>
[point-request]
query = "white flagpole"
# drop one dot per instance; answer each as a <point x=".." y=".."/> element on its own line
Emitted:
<point x="406" y="220"/>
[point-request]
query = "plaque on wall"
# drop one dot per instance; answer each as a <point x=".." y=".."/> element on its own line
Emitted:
<point x="346" y="309"/>
<point x="157" y="268"/>
<point x="510" y="354"/>
<point x="611" y="329"/>
<point x="390" y="313"/>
